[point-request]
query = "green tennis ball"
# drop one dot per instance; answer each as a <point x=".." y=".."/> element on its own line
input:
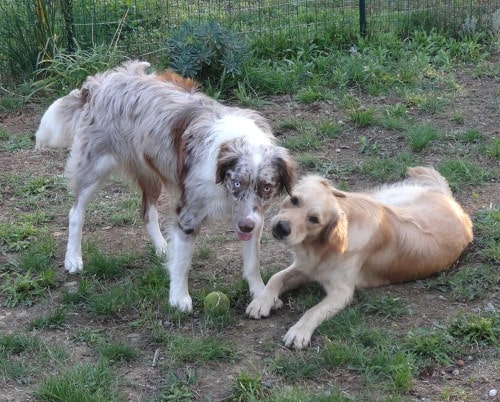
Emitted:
<point x="216" y="303"/>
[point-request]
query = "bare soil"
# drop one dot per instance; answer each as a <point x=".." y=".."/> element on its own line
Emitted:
<point x="477" y="100"/>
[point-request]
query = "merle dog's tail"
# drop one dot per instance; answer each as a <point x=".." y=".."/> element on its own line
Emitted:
<point x="56" y="128"/>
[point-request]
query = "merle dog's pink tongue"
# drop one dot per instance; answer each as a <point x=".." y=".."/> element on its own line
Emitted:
<point x="244" y="236"/>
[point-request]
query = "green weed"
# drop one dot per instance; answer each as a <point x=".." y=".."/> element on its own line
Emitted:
<point x="310" y="95"/>
<point x="366" y="146"/>
<point x="433" y="104"/>
<point x="23" y="288"/>
<point x="362" y="117"/>
<point x="387" y="169"/>
<point x="105" y="266"/>
<point x="469" y="283"/>
<point x="487" y="234"/>
<point x="474" y="329"/>
<point x="117" y="351"/>
<point x="112" y="302"/>
<point x="420" y="136"/>
<point x="84" y="382"/>
<point x="492" y="148"/>
<point x="248" y="387"/>
<point x="16" y="236"/>
<point x="200" y="349"/>
<point x="153" y="284"/>
<point x="178" y="386"/>
<point x="17" y="343"/>
<point x="460" y="172"/>
<point x="88" y="335"/>
<point x="328" y="130"/>
<point x="53" y="320"/>
<point x="434" y="346"/>
<point x="297" y="366"/>
<point x="303" y="142"/>
<point x="381" y="305"/>
<point x="18" y="143"/>
<point x="471" y="135"/>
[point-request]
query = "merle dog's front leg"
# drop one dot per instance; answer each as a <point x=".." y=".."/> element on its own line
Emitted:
<point x="251" y="267"/>
<point x="181" y="254"/>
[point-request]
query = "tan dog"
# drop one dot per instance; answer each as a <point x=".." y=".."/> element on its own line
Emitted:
<point x="398" y="233"/>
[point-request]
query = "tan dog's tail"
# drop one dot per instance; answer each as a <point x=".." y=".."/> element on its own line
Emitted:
<point x="428" y="176"/>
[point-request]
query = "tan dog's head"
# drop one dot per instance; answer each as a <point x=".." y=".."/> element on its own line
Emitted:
<point x="312" y="217"/>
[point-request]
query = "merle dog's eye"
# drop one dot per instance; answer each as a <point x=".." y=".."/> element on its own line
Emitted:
<point x="236" y="184"/>
<point x="294" y="201"/>
<point x="313" y="219"/>
<point x="267" y="188"/>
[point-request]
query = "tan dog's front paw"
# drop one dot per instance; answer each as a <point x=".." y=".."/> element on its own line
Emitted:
<point x="299" y="337"/>
<point x="261" y="306"/>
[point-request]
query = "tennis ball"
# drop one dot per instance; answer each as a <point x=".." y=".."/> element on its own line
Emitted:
<point x="216" y="303"/>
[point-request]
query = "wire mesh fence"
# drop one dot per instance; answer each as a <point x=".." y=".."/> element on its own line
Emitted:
<point x="142" y="26"/>
<point x="32" y="31"/>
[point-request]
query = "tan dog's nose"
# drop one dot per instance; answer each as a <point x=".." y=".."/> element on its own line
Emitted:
<point x="281" y="230"/>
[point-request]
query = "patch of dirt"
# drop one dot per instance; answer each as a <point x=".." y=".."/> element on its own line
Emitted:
<point x="477" y="100"/>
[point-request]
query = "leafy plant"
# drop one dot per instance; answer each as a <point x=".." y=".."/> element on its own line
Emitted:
<point x="207" y="52"/>
<point x="177" y="388"/>
<point x="476" y="329"/>
<point x="22" y="289"/>
<point x="248" y="387"/>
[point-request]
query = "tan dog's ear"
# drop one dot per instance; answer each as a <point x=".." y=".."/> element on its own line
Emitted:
<point x="338" y="193"/>
<point x="337" y="234"/>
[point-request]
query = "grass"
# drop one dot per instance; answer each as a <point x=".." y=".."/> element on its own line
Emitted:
<point x="380" y="107"/>
<point x="420" y="136"/>
<point x="84" y="382"/>
<point x="470" y="283"/>
<point x="388" y="169"/>
<point x="460" y="172"/>
<point x="200" y="350"/>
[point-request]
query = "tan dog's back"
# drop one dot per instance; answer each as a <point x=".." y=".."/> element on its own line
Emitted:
<point x="422" y="231"/>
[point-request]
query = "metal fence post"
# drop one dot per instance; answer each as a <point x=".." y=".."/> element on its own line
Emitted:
<point x="362" y="18"/>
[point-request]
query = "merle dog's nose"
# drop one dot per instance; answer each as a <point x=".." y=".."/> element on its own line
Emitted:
<point x="281" y="230"/>
<point x="246" y="225"/>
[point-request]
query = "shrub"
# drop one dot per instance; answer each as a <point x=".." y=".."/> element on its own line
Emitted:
<point x="206" y="52"/>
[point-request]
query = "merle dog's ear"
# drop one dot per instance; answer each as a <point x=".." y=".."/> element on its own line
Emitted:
<point x="286" y="168"/>
<point x="227" y="159"/>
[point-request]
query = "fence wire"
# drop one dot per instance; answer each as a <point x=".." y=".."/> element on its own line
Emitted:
<point x="142" y="26"/>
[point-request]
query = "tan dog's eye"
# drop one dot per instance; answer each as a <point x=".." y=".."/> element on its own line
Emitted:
<point x="294" y="201"/>
<point x="313" y="219"/>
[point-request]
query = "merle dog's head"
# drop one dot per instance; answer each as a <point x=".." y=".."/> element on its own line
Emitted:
<point x="253" y="175"/>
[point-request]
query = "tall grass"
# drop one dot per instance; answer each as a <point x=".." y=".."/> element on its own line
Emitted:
<point x="28" y="30"/>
